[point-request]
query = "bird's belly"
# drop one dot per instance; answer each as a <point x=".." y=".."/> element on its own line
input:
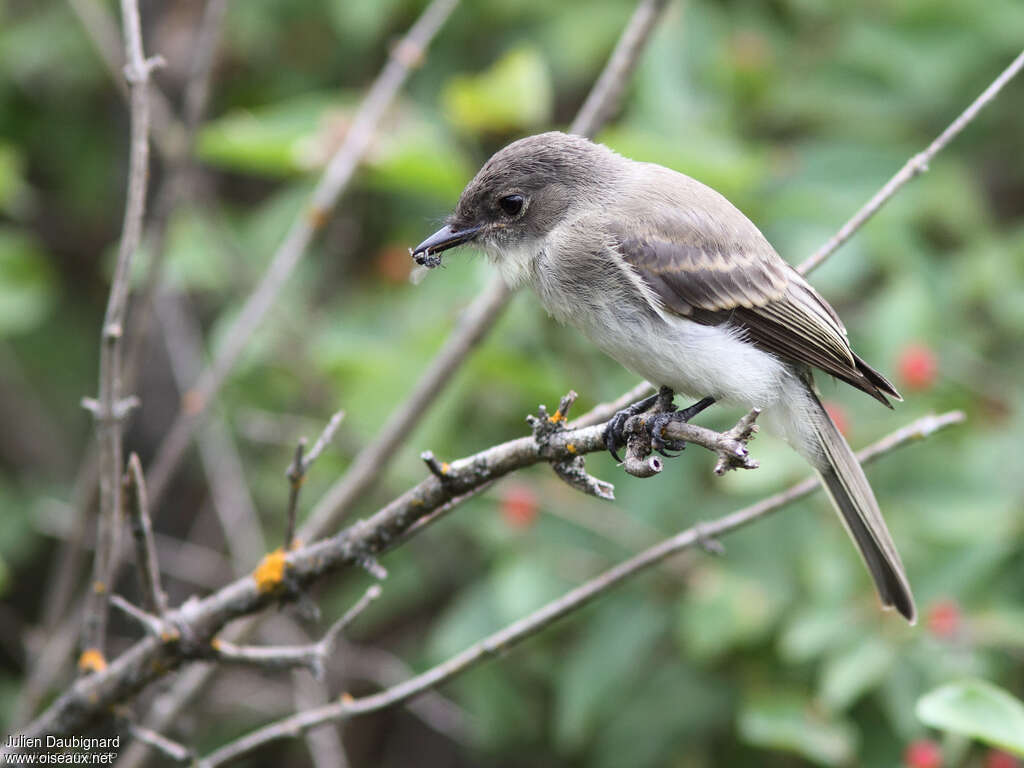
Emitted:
<point x="697" y="360"/>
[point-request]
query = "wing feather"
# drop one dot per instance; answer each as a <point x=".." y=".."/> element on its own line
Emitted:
<point x="738" y="278"/>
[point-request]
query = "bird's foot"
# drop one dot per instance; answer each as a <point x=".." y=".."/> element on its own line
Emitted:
<point x="615" y="429"/>
<point x="666" y="416"/>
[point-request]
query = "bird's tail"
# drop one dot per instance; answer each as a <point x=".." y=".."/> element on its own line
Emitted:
<point x="843" y="478"/>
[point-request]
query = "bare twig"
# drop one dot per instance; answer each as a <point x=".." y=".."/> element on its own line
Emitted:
<point x="111" y="406"/>
<point x="101" y="28"/>
<point x="179" y="753"/>
<point x="369" y="463"/>
<point x="915" y="166"/>
<point x="300" y="466"/>
<point x="296" y="475"/>
<point x="386" y="669"/>
<point x="153" y="625"/>
<point x="504" y="639"/>
<point x="605" y="96"/>
<point x="202" y="619"/>
<point x="312" y="656"/>
<point x="480" y="316"/>
<point x="142" y="533"/>
<point x="333" y="182"/>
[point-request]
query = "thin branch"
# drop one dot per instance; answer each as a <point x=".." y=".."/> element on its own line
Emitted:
<point x="300" y="466"/>
<point x="336" y="177"/>
<point x="915" y="166"/>
<point x="153" y="625"/>
<point x="483" y="312"/>
<point x="142" y="533"/>
<point x="111" y="406"/>
<point x="179" y="753"/>
<point x="311" y="656"/>
<point x="386" y="669"/>
<point x="504" y="639"/>
<point x="201" y="619"/>
<point x="101" y="29"/>
<point x="368" y="465"/>
<point x="604" y="98"/>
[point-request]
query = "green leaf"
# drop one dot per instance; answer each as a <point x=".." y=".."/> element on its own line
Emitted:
<point x="607" y="658"/>
<point x="725" y="610"/>
<point x="789" y="722"/>
<point x="848" y="675"/>
<point x="512" y="95"/>
<point x="280" y="139"/>
<point x="978" y="709"/>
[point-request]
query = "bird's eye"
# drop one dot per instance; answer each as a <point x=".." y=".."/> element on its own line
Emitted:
<point x="511" y="204"/>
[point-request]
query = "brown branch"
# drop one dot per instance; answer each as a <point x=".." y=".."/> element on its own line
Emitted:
<point x="300" y="466"/>
<point x="200" y="620"/>
<point x="142" y="533"/>
<point x="915" y="166"/>
<point x="504" y="639"/>
<point x="111" y="406"/>
<point x="336" y="177"/>
<point x="480" y="316"/>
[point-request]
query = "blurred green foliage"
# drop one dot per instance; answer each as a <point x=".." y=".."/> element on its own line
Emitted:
<point x="797" y="110"/>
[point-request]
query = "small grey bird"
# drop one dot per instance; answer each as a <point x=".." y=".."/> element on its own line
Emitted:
<point x="671" y="280"/>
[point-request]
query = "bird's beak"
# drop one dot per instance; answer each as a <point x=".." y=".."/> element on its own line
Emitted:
<point x="445" y="238"/>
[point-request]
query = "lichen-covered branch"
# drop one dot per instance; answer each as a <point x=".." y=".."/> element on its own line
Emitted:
<point x="497" y="643"/>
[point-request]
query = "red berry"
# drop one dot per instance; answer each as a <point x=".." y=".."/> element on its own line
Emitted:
<point x="944" y="618"/>
<point x="838" y="415"/>
<point x="519" y="506"/>
<point x="996" y="758"/>
<point x="922" y="753"/>
<point x="918" y="367"/>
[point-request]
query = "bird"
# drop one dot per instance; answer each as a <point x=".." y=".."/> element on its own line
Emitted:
<point x="667" y="277"/>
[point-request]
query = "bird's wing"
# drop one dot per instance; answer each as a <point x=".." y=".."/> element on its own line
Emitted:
<point x="713" y="273"/>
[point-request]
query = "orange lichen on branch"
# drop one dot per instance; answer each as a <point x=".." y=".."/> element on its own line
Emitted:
<point x="169" y="634"/>
<point x="270" y="572"/>
<point x="570" y="447"/>
<point x="556" y="417"/>
<point x="92" y="660"/>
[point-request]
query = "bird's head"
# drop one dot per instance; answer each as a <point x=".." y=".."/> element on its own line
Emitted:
<point x="521" y="194"/>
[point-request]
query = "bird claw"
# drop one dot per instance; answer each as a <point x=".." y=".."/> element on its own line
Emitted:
<point x="613" y="434"/>
<point x="615" y="429"/>
<point x="657" y="423"/>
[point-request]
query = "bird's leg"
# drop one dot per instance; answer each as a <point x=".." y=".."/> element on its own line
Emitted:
<point x="614" y="437"/>
<point x="668" y="414"/>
